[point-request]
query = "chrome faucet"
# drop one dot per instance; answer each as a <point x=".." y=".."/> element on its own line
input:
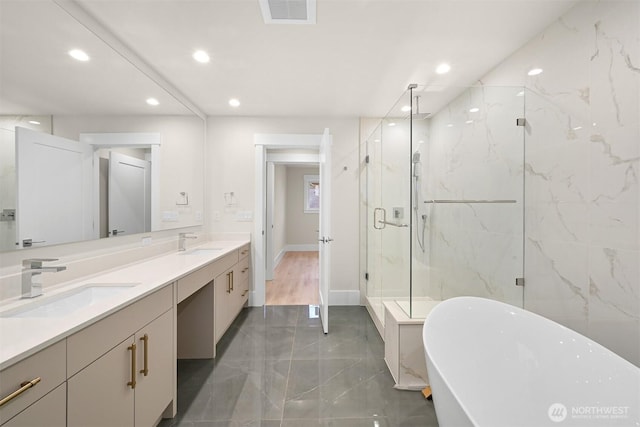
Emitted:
<point x="182" y="240"/>
<point x="33" y="267"/>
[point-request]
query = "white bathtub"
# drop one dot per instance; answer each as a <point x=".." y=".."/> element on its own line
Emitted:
<point x="492" y="364"/>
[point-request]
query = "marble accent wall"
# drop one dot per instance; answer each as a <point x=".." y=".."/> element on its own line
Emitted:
<point x="582" y="242"/>
<point x="474" y="152"/>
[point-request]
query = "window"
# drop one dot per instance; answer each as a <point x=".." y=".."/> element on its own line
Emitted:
<point x="311" y="194"/>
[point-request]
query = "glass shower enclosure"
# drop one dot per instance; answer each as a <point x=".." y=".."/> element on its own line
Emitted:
<point x="443" y="194"/>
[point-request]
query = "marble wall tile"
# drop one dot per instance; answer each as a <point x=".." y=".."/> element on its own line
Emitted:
<point x="582" y="207"/>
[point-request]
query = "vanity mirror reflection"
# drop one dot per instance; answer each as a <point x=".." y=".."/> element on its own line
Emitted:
<point x="90" y="146"/>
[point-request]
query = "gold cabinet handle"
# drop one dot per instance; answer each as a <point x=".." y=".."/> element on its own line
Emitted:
<point x="145" y="340"/>
<point x="231" y="279"/>
<point x="244" y="270"/>
<point x="229" y="282"/>
<point x="24" y="386"/>
<point x="132" y="348"/>
<point x="245" y="292"/>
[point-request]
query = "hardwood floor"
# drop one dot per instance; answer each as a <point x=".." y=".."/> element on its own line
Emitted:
<point x="295" y="280"/>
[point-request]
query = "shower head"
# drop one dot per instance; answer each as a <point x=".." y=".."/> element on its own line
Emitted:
<point x="418" y="115"/>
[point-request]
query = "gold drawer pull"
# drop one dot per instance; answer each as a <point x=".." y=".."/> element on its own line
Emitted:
<point x="229" y="282"/>
<point x="231" y="279"/>
<point x="24" y="386"/>
<point x="244" y="252"/>
<point x="245" y="292"/>
<point x="132" y="383"/>
<point x="145" y="339"/>
<point x="244" y="270"/>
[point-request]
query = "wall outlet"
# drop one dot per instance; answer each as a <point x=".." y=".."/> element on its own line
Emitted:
<point x="146" y="241"/>
<point x="170" y="216"/>
<point x="244" y="216"/>
<point x="198" y="215"/>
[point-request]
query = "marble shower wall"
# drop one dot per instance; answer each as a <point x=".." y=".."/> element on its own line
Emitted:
<point x="475" y="152"/>
<point x="582" y="206"/>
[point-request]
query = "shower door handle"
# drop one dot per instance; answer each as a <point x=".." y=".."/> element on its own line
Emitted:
<point x="383" y="221"/>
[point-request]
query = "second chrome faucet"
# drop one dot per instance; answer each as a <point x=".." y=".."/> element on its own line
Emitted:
<point x="182" y="240"/>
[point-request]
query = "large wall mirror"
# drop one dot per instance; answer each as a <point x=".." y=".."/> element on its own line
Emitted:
<point x="89" y="148"/>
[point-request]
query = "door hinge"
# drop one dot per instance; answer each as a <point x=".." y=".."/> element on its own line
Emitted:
<point x="366" y="276"/>
<point x="366" y="159"/>
<point x="519" y="281"/>
<point x="521" y="121"/>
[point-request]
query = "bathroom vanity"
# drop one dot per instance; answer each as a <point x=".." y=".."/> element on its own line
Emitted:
<point x="102" y="351"/>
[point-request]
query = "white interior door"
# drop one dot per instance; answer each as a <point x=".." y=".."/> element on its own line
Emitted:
<point x="325" y="228"/>
<point x="53" y="175"/>
<point x="129" y="195"/>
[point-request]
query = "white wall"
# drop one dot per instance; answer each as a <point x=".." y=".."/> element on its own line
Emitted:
<point x="582" y="242"/>
<point x="301" y="226"/>
<point x="230" y="167"/>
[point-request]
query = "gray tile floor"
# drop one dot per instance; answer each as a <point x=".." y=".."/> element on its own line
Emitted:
<point x="275" y="367"/>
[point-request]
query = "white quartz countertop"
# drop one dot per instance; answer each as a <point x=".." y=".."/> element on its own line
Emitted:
<point x="21" y="337"/>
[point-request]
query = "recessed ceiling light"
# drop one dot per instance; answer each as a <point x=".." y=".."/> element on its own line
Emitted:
<point x="34" y="122"/>
<point x="469" y="122"/>
<point x="443" y="68"/>
<point x="474" y="110"/>
<point x="534" y="71"/>
<point x="153" y="101"/>
<point x="78" y="54"/>
<point x="406" y="108"/>
<point x="234" y="102"/>
<point x="201" y="56"/>
<point x="392" y="124"/>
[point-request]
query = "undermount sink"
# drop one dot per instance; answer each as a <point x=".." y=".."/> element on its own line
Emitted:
<point x="68" y="302"/>
<point x="202" y="251"/>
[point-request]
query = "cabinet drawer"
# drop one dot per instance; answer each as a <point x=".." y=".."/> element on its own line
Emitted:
<point x="189" y="284"/>
<point x="50" y="411"/>
<point x="193" y="282"/>
<point x="92" y="342"/>
<point x="47" y="364"/>
<point x="244" y="251"/>
<point x="241" y="271"/>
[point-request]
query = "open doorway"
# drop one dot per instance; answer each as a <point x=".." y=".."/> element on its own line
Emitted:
<point x="293" y="197"/>
<point x="266" y="147"/>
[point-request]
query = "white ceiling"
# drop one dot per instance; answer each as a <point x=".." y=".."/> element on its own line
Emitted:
<point x="356" y="61"/>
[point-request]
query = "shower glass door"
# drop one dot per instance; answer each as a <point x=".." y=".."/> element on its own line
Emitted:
<point x="388" y="209"/>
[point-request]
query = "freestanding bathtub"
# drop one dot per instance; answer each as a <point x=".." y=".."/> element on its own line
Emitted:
<point x="492" y="364"/>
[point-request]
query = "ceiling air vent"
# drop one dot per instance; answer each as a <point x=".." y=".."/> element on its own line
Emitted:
<point x="288" y="11"/>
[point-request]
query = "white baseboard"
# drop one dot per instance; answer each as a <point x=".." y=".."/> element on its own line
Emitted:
<point x="278" y="258"/>
<point x="344" y="297"/>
